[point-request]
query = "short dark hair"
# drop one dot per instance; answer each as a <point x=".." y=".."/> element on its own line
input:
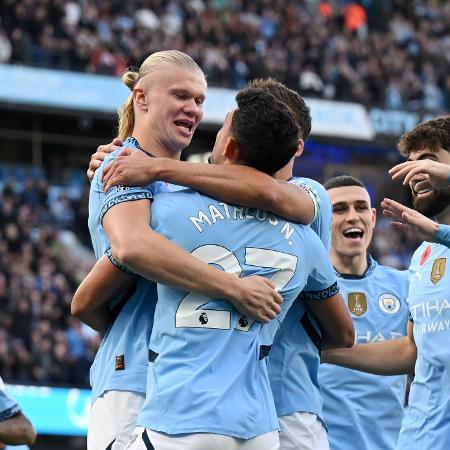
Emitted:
<point x="295" y="103"/>
<point x="433" y="135"/>
<point x="265" y="131"/>
<point x="342" y="181"/>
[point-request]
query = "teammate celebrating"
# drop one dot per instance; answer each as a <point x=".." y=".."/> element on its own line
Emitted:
<point x="162" y="113"/>
<point x="299" y="407"/>
<point x="426" y="350"/>
<point x="204" y="397"/>
<point x="363" y="411"/>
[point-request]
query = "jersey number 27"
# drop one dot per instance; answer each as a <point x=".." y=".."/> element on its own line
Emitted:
<point x="190" y="314"/>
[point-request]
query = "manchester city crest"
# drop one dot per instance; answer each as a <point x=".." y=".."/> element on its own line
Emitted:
<point x="389" y="303"/>
<point x="357" y="303"/>
<point x="438" y="270"/>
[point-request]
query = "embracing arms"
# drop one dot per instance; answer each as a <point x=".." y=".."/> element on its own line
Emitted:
<point x="334" y="320"/>
<point x="391" y="357"/>
<point x="234" y="184"/>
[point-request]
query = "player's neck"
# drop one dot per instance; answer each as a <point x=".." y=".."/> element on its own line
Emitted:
<point x="284" y="174"/>
<point x="351" y="265"/>
<point x="150" y="144"/>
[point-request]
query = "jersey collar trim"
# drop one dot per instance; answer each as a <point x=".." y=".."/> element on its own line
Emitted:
<point x="371" y="264"/>
<point x="133" y="142"/>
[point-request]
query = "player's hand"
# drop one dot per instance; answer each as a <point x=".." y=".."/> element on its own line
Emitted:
<point x="409" y="220"/>
<point x="258" y="299"/>
<point x="130" y="168"/>
<point x="438" y="174"/>
<point x="98" y="157"/>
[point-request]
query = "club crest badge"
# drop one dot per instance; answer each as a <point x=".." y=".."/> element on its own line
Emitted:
<point x="438" y="270"/>
<point x="389" y="303"/>
<point x="357" y="303"/>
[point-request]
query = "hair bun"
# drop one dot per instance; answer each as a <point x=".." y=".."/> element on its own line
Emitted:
<point x="130" y="78"/>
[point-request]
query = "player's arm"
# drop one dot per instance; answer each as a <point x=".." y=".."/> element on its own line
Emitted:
<point x="135" y="245"/>
<point x="391" y="357"/>
<point x="103" y="283"/>
<point x="236" y="184"/>
<point x="17" y="430"/>
<point x="335" y="323"/>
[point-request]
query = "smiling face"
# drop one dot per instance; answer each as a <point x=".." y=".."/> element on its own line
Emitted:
<point x="353" y="220"/>
<point x="174" y="101"/>
<point x="427" y="200"/>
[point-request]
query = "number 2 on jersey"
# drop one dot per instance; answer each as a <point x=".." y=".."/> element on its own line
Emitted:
<point x="190" y="314"/>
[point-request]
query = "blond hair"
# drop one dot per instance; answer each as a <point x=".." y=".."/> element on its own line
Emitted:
<point x="152" y="64"/>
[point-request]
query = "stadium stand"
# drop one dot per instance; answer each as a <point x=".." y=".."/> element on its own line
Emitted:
<point x="41" y="264"/>
<point x="389" y="53"/>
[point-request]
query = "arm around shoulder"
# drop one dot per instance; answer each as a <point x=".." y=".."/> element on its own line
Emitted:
<point x="335" y="322"/>
<point x="391" y="357"/>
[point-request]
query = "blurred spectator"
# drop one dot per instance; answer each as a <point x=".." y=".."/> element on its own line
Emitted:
<point x="393" y="53"/>
<point x="39" y="340"/>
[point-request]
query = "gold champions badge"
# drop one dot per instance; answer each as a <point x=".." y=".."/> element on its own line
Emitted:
<point x="357" y="303"/>
<point x="438" y="270"/>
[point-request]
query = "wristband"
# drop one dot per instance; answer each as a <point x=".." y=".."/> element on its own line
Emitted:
<point x="443" y="235"/>
<point x="118" y="264"/>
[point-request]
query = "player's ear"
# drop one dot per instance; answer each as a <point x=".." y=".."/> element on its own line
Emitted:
<point x="231" y="151"/>
<point x="140" y="98"/>
<point x="300" y="147"/>
<point x="374" y="216"/>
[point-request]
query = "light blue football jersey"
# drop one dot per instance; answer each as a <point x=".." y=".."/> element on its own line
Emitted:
<point x="208" y="372"/>
<point x="294" y="360"/>
<point x="121" y="361"/>
<point x="426" y="424"/>
<point x="364" y="411"/>
<point x="321" y="223"/>
<point x="8" y="406"/>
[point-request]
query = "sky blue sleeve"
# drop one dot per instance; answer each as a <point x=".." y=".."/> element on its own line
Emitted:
<point x="8" y="406"/>
<point x="321" y="283"/>
<point x="443" y="235"/>
<point x="321" y="223"/>
<point x="119" y="194"/>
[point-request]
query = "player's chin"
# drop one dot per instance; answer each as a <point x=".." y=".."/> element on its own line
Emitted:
<point x="353" y="247"/>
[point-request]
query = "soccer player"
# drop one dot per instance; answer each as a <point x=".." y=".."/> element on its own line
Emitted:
<point x="209" y="382"/>
<point x="111" y="375"/>
<point x="300" y="426"/>
<point x="363" y="411"/>
<point x="15" y="428"/>
<point x="426" y="349"/>
<point x="424" y="171"/>
<point x="161" y="114"/>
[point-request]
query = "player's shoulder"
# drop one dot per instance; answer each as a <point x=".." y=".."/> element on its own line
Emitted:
<point x="310" y="185"/>
<point x="392" y="271"/>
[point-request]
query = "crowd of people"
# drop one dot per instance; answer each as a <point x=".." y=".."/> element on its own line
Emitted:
<point x="39" y="341"/>
<point x="392" y="53"/>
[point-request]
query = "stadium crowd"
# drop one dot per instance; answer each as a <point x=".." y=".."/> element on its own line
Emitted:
<point x="39" y="341"/>
<point x="392" y="53"/>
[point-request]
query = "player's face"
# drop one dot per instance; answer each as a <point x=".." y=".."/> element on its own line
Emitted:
<point x="175" y="106"/>
<point x="353" y="220"/>
<point x="217" y="155"/>
<point x="427" y="200"/>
